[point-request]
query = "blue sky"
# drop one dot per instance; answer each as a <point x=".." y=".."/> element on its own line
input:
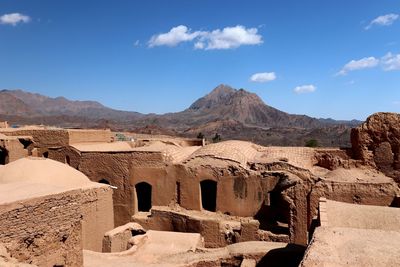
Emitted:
<point x="338" y="59"/>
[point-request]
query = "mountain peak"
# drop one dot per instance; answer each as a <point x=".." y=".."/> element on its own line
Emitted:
<point x="222" y="90"/>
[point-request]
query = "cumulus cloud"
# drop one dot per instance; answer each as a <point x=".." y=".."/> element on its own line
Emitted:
<point x="263" y="77"/>
<point x="14" y="18"/>
<point x="390" y="62"/>
<point x="230" y="37"/>
<point x="227" y="38"/>
<point x="305" y="89"/>
<point x="175" y="36"/>
<point x="384" y="20"/>
<point x="364" y="63"/>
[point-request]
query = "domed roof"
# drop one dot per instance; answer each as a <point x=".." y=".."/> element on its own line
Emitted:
<point x="42" y="171"/>
<point x="240" y="152"/>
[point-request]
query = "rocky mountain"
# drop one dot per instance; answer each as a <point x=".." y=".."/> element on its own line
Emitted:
<point x="235" y="114"/>
<point x="226" y="103"/>
<point x="21" y="103"/>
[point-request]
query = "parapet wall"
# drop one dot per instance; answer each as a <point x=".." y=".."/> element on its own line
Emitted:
<point x="88" y="136"/>
<point x="43" y="138"/>
<point x="45" y="231"/>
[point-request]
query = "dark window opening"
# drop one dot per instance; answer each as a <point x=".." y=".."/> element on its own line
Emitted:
<point x="178" y="193"/>
<point x="143" y="193"/>
<point x="208" y="190"/>
<point x="25" y="142"/>
<point x="67" y="160"/>
<point x="3" y="156"/>
<point x="104" y="181"/>
<point x="46" y="154"/>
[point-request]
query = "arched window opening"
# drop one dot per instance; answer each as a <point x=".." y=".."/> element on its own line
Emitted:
<point x="46" y="154"/>
<point x="208" y="190"/>
<point x="143" y="193"/>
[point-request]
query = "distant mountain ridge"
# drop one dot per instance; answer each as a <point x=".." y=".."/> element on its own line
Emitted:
<point x="236" y="112"/>
<point x="22" y="103"/>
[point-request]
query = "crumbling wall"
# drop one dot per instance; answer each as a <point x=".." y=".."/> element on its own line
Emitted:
<point x="117" y="240"/>
<point x="377" y="143"/>
<point x="45" y="231"/>
<point x="15" y="149"/>
<point x="217" y="230"/>
<point x="88" y="136"/>
<point x="379" y="194"/>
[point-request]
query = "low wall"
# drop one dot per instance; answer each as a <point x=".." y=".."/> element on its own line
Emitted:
<point x="45" y="231"/>
<point x="89" y="135"/>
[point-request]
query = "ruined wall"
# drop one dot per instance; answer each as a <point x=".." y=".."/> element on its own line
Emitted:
<point x="89" y="135"/>
<point x="377" y="143"/>
<point x="45" y="231"/>
<point x="15" y="149"/>
<point x="114" y="168"/>
<point x="379" y="194"/>
<point x="97" y="216"/>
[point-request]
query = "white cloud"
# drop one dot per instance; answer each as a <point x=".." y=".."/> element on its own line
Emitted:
<point x="14" y="19"/>
<point x="263" y="77"/>
<point x="136" y="43"/>
<point x="305" y="89"/>
<point x="227" y="38"/>
<point x="384" y="20"/>
<point x="364" y="63"/>
<point x="175" y="36"/>
<point x="390" y="62"/>
<point x="230" y="37"/>
<point x="199" y="45"/>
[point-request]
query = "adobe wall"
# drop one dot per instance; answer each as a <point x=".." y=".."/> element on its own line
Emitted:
<point x="238" y="193"/>
<point x="15" y="149"/>
<point x="60" y="154"/>
<point x="379" y="194"/>
<point x="216" y="229"/>
<point x="115" y="168"/>
<point x="161" y="179"/>
<point x="43" y="138"/>
<point x="45" y="231"/>
<point x="89" y="135"/>
<point x="97" y="216"/>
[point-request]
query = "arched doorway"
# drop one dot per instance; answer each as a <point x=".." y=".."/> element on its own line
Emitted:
<point x="143" y="194"/>
<point x="208" y="190"/>
<point x="3" y="156"/>
<point x="46" y="154"/>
